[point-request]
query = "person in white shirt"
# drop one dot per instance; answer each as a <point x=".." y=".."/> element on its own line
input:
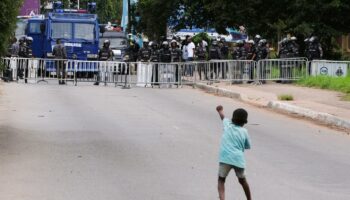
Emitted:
<point x="190" y="49"/>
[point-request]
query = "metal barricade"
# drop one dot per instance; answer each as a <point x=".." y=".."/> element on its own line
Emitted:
<point x="154" y="74"/>
<point x="284" y="70"/>
<point x="233" y="71"/>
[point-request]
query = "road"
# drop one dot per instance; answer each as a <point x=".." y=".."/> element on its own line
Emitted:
<point x="88" y="143"/>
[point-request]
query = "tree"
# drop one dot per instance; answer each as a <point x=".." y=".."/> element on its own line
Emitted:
<point x="327" y="19"/>
<point x="8" y="17"/>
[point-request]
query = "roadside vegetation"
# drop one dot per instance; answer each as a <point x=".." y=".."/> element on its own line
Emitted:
<point x="286" y="97"/>
<point x="340" y="84"/>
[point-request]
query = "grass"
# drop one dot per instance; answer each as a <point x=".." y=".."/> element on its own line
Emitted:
<point x="285" y="97"/>
<point x="340" y="84"/>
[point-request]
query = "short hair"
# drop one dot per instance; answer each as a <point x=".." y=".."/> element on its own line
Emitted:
<point x="240" y="117"/>
<point x="58" y="41"/>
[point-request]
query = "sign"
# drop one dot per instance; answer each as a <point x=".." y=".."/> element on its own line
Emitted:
<point x="329" y="68"/>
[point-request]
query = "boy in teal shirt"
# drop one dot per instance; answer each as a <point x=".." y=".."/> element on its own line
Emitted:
<point x="235" y="140"/>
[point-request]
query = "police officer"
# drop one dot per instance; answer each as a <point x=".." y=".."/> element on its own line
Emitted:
<point x="59" y="52"/>
<point x="224" y="49"/>
<point x="28" y="54"/>
<point x="145" y="52"/>
<point x="239" y="54"/>
<point x="201" y="53"/>
<point x="155" y="58"/>
<point x="214" y="54"/>
<point x="262" y="53"/>
<point x="315" y="50"/>
<point x="22" y="53"/>
<point x="176" y="57"/>
<point x="292" y="48"/>
<point x="105" y="53"/>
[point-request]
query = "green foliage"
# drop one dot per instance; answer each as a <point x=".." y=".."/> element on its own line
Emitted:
<point x="199" y="37"/>
<point x="285" y="97"/>
<point x="341" y="84"/>
<point x="270" y="18"/>
<point x="9" y="11"/>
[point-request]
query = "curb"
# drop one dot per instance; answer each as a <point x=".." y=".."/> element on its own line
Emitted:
<point x="320" y="117"/>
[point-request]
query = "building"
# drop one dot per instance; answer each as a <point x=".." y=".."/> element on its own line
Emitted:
<point x="344" y="44"/>
<point x="30" y="7"/>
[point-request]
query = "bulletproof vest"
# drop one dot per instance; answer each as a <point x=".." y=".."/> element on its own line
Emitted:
<point x="165" y="55"/>
<point x="214" y="53"/>
<point x="175" y="55"/>
<point x="58" y="50"/>
<point x="104" y="54"/>
<point x="29" y="52"/>
<point x="224" y="51"/>
<point x="155" y="56"/>
<point x="262" y="53"/>
<point x="22" y="51"/>
<point x="242" y="53"/>
<point x="145" y="54"/>
<point x="314" y="51"/>
<point x="201" y="53"/>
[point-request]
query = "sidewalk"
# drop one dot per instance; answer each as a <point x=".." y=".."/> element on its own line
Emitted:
<point x="320" y="105"/>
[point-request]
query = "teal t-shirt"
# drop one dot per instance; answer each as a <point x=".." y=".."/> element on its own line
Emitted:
<point x="234" y="141"/>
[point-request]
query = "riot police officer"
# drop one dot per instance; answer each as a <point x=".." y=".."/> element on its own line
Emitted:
<point x="155" y="58"/>
<point x="165" y="53"/>
<point x="28" y="54"/>
<point x="176" y="57"/>
<point x="201" y="53"/>
<point x="315" y="50"/>
<point x="224" y="49"/>
<point x="60" y="53"/>
<point x="22" y="53"/>
<point x="292" y="48"/>
<point x="262" y="53"/>
<point x="145" y="52"/>
<point x="105" y="53"/>
<point x="214" y="54"/>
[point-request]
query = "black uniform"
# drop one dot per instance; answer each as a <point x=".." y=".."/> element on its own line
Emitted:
<point x="176" y="57"/>
<point x="59" y="52"/>
<point x="145" y="54"/>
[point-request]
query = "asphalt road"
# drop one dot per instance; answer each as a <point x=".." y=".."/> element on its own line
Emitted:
<point x="105" y="143"/>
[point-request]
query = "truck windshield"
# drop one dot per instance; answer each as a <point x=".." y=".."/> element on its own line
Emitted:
<point x="84" y="31"/>
<point x="21" y="28"/>
<point x="61" y="30"/>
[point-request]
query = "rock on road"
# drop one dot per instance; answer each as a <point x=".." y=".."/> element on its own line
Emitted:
<point x="105" y="143"/>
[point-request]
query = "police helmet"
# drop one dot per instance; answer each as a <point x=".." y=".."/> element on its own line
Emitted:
<point x="106" y="43"/>
<point x="240" y="43"/>
<point x="22" y="39"/>
<point x="314" y="39"/>
<point x="250" y="42"/>
<point x="145" y="40"/>
<point x="293" y="38"/>
<point x="154" y="44"/>
<point x="165" y="44"/>
<point x="29" y="39"/>
<point x="307" y="40"/>
<point x="262" y="42"/>
<point x="214" y="43"/>
<point x="257" y="36"/>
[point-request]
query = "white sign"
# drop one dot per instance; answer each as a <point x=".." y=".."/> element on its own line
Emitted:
<point x="329" y="68"/>
<point x="67" y="44"/>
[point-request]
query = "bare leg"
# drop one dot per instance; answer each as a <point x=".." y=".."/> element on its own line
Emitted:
<point x="221" y="188"/>
<point x="244" y="183"/>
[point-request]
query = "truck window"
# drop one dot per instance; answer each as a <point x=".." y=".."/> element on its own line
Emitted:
<point x="34" y="28"/>
<point x="21" y="28"/>
<point x="84" y="31"/>
<point x="61" y="30"/>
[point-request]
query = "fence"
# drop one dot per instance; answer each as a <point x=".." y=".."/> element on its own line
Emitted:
<point x="329" y="68"/>
<point x="148" y="74"/>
